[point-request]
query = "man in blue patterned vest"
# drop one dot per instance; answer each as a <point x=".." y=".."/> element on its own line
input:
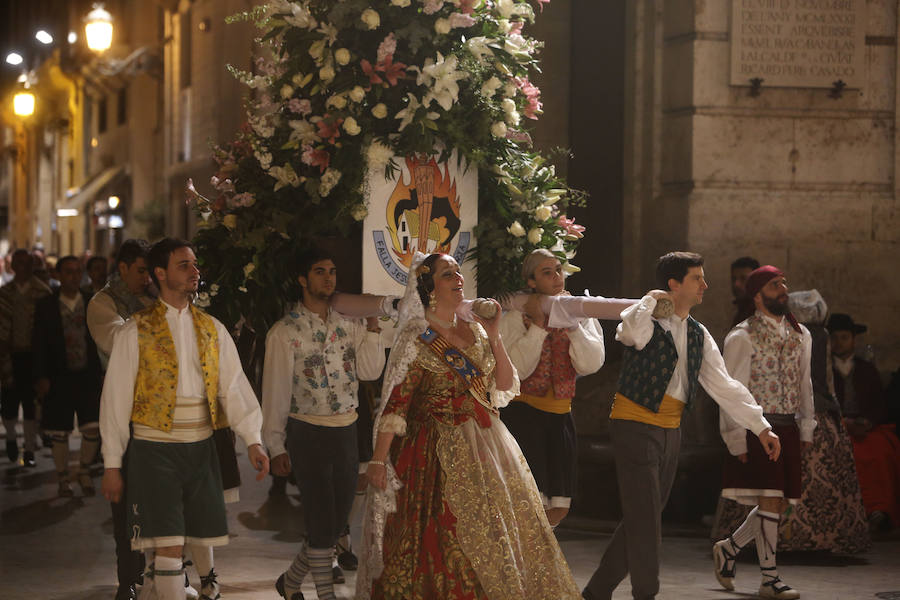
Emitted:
<point x="666" y="357"/>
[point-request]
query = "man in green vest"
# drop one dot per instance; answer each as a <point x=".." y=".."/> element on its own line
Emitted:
<point x="666" y="357"/>
<point x="174" y="376"/>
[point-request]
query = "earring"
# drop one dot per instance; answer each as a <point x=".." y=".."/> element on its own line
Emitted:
<point x="432" y="303"/>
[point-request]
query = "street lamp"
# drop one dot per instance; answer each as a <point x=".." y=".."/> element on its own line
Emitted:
<point x="23" y="104"/>
<point x="98" y="29"/>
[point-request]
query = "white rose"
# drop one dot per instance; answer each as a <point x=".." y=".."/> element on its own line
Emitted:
<point x="357" y="94"/>
<point x="442" y="26"/>
<point x="400" y="3"/>
<point x="326" y="73"/>
<point x="342" y="56"/>
<point x="510" y="89"/>
<point x="498" y="129"/>
<point x="542" y="213"/>
<point x="360" y="211"/>
<point x="338" y="101"/>
<point x="350" y="126"/>
<point x="490" y="87"/>
<point x="379" y="111"/>
<point x="534" y="236"/>
<point x="371" y="18"/>
<point x="508" y="106"/>
<point x="286" y="91"/>
<point x="512" y="119"/>
<point x="516" y="229"/>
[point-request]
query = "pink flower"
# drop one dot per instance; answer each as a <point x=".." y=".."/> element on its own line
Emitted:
<point x="541" y="3"/>
<point x="576" y="231"/>
<point x="518" y="136"/>
<point x="461" y="20"/>
<point x="387" y="47"/>
<point x="533" y="105"/>
<point x="432" y="6"/>
<point x="315" y="158"/>
<point x="299" y="106"/>
<point x="467" y="6"/>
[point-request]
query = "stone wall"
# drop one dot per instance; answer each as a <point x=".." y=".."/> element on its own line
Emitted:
<point x="792" y="176"/>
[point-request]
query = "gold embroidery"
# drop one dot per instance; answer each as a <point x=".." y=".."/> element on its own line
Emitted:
<point x="157" y="377"/>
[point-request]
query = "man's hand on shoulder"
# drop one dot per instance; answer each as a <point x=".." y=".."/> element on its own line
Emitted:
<point x="259" y="460"/>
<point x="659" y="294"/>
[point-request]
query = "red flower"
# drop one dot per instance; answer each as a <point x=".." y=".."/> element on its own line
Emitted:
<point x="316" y="158"/>
<point x="367" y="68"/>
<point x="392" y="71"/>
<point x="329" y="128"/>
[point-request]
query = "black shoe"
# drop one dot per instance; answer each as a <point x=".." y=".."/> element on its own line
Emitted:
<point x="29" y="459"/>
<point x="126" y="592"/>
<point x="12" y="450"/>
<point x="279" y="587"/>
<point x="347" y="560"/>
<point x="338" y="575"/>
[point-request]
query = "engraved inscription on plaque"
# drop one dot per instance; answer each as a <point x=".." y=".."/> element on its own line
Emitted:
<point x="798" y="43"/>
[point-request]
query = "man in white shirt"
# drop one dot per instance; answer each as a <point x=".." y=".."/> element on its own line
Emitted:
<point x="314" y="359"/>
<point x="770" y="353"/>
<point x="174" y="375"/>
<point x="666" y="357"/>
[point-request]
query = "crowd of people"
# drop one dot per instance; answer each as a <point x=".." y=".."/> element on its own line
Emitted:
<point x="471" y="462"/>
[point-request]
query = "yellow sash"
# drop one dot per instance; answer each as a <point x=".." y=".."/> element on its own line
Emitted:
<point x="668" y="417"/>
<point x="547" y="403"/>
<point x="157" y="376"/>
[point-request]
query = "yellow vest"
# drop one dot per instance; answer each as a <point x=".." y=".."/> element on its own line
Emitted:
<point x="157" y="376"/>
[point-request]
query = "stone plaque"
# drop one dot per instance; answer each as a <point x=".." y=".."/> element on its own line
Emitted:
<point x="798" y="43"/>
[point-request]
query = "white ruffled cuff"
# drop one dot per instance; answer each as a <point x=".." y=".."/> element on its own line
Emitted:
<point x="392" y="423"/>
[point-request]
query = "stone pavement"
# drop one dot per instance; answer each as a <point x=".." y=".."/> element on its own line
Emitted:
<point x="62" y="549"/>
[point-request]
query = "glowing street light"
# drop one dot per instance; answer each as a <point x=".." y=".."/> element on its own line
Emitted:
<point x="43" y="37"/>
<point x="72" y="38"/>
<point x="14" y="58"/>
<point x="23" y="104"/>
<point x="113" y="202"/>
<point x="98" y="29"/>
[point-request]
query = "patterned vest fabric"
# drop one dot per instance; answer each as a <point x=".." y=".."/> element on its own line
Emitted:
<point x="157" y="376"/>
<point x="646" y="373"/>
<point x="554" y="368"/>
<point x="774" y="366"/>
<point x="74" y="325"/>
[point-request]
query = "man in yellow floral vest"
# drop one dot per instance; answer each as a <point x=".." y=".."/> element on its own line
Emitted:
<point x="174" y="376"/>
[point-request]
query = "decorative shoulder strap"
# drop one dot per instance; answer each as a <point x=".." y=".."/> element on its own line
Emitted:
<point x="457" y="361"/>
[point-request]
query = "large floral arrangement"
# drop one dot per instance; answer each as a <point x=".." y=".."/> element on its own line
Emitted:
<point x="341" y="87"/>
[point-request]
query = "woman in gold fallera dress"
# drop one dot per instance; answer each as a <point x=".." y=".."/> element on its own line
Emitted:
<point x="453" y="511"/>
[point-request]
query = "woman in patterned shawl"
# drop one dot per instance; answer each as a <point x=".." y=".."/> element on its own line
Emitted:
<point x="453" y="511"/>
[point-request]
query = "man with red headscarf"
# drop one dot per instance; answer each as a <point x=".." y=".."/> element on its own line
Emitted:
<point x="769" y="352"/>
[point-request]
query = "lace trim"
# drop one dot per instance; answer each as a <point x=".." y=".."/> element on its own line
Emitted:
<point x="393" y="423"/>
<point x="379" y="504"/>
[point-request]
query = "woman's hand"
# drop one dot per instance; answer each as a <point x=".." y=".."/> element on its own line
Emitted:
<point x="376" y="473"/>
<point x="492" y="326"/>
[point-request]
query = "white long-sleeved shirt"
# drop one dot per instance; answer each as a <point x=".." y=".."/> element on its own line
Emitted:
<point x="586" y="349"/>
<point x="103" y="321"/>
<point x="303" y="339"/>
<point x="236" y="396"/>
<point x="636" y="330"/>
<point x="738" y="355"/>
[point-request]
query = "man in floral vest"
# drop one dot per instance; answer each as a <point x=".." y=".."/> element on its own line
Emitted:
<point x="548" y="361"/>
<point x="315" y="358"/>
<point x="174" y="375"/>
<point x="769" y="352"/>
<point x="666" y="357"/>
